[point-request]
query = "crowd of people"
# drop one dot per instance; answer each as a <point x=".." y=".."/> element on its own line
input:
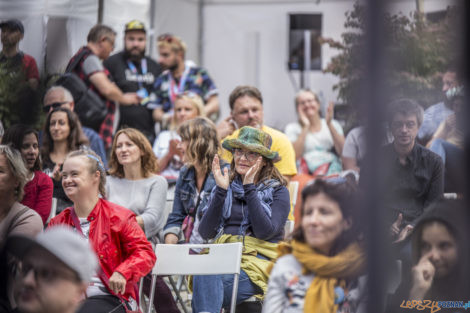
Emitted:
<point x="83" y="203"/>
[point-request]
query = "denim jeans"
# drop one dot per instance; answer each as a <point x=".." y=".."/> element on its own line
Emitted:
<point x="212" y="292"/>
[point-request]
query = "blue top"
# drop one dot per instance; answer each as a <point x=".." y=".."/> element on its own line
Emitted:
<point x="263" y="225"/>
<point x="96" y="144"/>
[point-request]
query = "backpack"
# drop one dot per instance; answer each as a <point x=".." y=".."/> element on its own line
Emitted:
<point x="89" y="107"/>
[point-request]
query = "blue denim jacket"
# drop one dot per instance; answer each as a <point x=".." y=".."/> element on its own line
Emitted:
<point x="186" y="198"/>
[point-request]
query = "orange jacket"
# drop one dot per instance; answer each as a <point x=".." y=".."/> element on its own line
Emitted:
<point x="119" y="242"/>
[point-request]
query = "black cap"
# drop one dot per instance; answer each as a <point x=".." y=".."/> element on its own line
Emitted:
<point x="13" y="24"/>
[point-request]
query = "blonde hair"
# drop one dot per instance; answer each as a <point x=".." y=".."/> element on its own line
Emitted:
<point x="95" y="164"/>
<point x="173" y="42"/>
<point x="17" y="168"/>
<point x="149" y="162"/>
<point x="201" y="135"/>
<point x="196" y="102"/>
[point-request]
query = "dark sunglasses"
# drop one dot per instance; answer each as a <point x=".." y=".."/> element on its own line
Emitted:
<point x="52" y="106"/>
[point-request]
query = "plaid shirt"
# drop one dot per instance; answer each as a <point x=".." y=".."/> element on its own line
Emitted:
<point x="197" y="80"/>
<point x="106" y="129"/>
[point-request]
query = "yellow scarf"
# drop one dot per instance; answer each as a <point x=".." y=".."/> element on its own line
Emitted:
<point x="330" y="271"/>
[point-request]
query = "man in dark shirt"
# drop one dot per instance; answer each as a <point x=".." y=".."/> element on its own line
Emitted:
<point x="413" y="175"/>
<point x="132" y="71"/>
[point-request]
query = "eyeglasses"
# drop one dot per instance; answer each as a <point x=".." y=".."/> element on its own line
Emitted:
<point x="52" y="106"/>
<point x="45" y="275"/>
<point x="249" y="155"/>
<point x="111" y="41"/>
<point x="399" y="125"/>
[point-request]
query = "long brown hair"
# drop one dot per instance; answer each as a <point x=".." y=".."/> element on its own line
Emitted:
<point x="75" y="139"/>
<point x="148" y="164"/>
<point x="201" y="134"/>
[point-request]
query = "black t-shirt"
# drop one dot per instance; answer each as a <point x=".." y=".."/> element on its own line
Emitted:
<point x="136" y="116"/>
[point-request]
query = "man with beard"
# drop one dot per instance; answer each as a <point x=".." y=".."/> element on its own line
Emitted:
<point x="19" y="77"/>
<point x="246" y="105"/>
<point x="180" y="77"/>
<point x="437" y="113"/>
<point x="132" y="71"/>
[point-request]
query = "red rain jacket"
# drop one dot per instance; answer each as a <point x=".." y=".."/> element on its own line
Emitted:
<point x="119" y="242"/>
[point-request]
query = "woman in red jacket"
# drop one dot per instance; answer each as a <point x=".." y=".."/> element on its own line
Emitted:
<point x="38" y="189"/>
<point x="125" y="255"/>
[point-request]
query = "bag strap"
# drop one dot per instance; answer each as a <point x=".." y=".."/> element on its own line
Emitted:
<point x="76" y="60"/>
<point x="16" y="217"/>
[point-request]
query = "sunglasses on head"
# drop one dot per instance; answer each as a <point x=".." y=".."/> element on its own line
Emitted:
<point x="52" y="106"/>
<point x="166" y="37"/>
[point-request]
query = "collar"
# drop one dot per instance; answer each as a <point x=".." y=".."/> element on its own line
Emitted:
<point x="410" y="158"/>
<point x="94" y="213"/>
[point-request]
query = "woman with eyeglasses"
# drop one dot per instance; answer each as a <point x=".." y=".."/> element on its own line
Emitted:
<point x="125" y="255"/>
<point x="170" y="159"/>
<point x="62" y="134"/>
<point x="38" y="189"/>
<point x="250" y="203"/>
<point x="198" y="144"/>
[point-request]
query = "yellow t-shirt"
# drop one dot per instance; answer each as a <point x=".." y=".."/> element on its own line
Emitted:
<point x="281" y="144"/>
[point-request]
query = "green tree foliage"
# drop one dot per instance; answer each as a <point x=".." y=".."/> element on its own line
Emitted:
<point x="418" y="52"/>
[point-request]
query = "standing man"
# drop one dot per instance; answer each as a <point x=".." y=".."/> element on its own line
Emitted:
<point x="19" y="77"/>
<point x="100" y="44"/>
<point x="132" y="71"/>
<point x="55" y="270"/>
<point x="246" y="105"/>
<point x="180" y="76"/>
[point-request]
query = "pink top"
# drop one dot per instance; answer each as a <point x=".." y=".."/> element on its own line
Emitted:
<point x="38" y="194"/>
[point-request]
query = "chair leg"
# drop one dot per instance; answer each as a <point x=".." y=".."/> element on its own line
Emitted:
<point x="177" y="293"/>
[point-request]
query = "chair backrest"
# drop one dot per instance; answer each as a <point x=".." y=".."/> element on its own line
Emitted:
<point x="178" y="260"/>
<point x="293" y="188"/>
<point x="53" y="209"/>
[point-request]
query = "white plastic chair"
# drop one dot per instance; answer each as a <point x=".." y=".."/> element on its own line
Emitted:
<point x="53" y="209"/>
<point x="177" y="260"/>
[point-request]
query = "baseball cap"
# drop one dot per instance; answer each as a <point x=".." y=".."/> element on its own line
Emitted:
<point x="13" y="24"/>
<point x="135" y="25"/>
<point x="62" y="242"/>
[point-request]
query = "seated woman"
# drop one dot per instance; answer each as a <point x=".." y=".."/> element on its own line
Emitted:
<point x="133" y="184"/>
<point x="15" y="218"/>
<point x="38" y="189"/>
<point x="250" y="201"/>
<point x="170" y="159"/>
<point x="318" y="269"/>
<point x="125" y="255"/>
<point x="440" y="255"/>
<point x="318" y="141"/>
<point x="62" y="134"/>
<point x="199" y="144"/>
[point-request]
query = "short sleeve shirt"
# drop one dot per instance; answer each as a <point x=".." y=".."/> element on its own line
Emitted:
<point x="195" y="79"/>
<point x="354" y="146"/>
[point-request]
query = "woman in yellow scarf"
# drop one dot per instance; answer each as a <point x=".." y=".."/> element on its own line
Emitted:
<point x="319" y="269"/>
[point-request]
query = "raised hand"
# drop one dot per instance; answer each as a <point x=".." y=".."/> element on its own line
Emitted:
<point x="173" y="149"/>
<point x="422" y="276"/>
<point x="304" y="121"/>
<point x="221" y="179"/>
<point x="330" y="112"/>
<point x="253" y="171"/>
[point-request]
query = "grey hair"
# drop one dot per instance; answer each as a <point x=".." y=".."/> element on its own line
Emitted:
<point x="17" y="167"/>
<point x="304" y="90"/>
<point x="2" y="130"/>
<point x="405" y="106"/>
<point x="67" y="95"/>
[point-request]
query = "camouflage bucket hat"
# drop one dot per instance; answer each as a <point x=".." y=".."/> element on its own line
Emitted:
<point x="252" y="139"/>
